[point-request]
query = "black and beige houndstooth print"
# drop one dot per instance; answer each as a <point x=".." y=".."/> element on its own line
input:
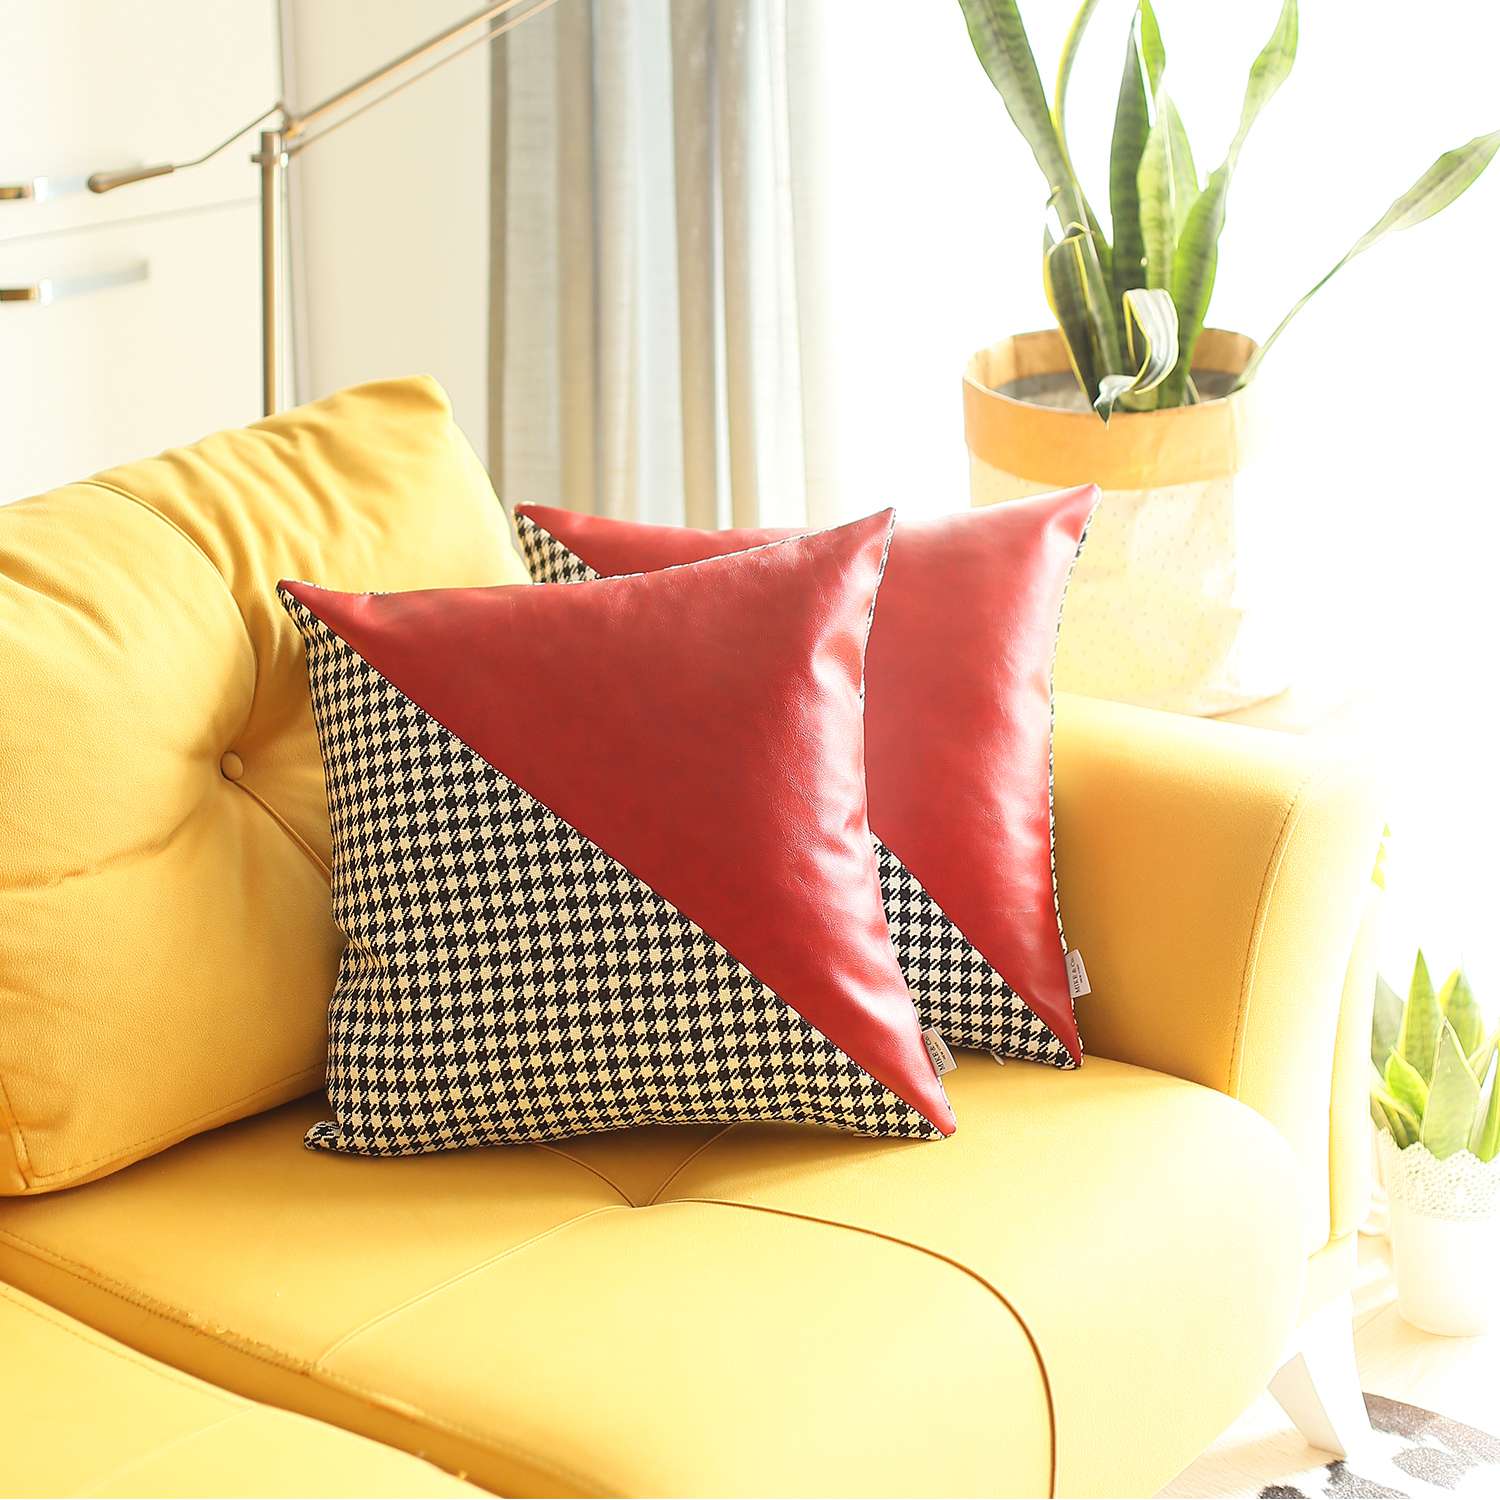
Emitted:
<point x="506" y="980"/>
<point x="547" y="560"/>
<point x="954" y="986"/>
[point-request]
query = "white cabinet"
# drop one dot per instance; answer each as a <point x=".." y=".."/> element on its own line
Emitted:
<point x="114" y="373"/>
<point x="106" y="373"/>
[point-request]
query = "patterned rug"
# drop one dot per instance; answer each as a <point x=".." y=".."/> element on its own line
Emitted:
<point x="1416" y="1453"/>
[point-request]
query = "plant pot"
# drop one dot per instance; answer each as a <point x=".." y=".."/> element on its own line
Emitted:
<point x="1445" y="1238"/>
<point x="1176" y="600"/>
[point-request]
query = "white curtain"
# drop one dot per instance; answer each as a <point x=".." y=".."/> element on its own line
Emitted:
<point x="658" y="334"/>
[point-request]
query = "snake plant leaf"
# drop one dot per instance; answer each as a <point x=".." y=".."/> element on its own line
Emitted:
<point x="1387" y="1024"/>
<point x="1486" y="1136"/>
<point x="1065" y="278"/>
<point x="1184" y="173"/>
<point x="1390" y="1114"/>
<point x="1453" y="1099"/>
<point x="1167" y="188"/>
<point x="1195" y="263"/>
<point x="1403" y="1126"/>
<point x="1145" y="59"/>
<point x="1151" y="344"/>
<point x="1001" y="44"/>
<point x="1065" y="72"/>
<point x="1197" y="256"/>
<point x="1420" y="987"/>
<point x="1271" y="69"/>
<point x="1482" y="1056"/>
<point x="1406" y="1084"/>
<point x="1456" y="999"/>
<point x="1485" y="1142"/>
<point x="1421" y="1023"/>
<point x="1403" y="1133"/>
<point x="1451" y="175"/>
<point x="1078" y="288"/>
<point x="1000" y="41"/>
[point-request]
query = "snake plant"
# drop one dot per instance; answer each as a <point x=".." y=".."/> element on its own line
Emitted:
<point x="1131" y="309"/>
<point x="1431" y="1059"/>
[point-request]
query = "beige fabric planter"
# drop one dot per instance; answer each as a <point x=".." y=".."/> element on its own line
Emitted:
<point x="1173" y="604"/>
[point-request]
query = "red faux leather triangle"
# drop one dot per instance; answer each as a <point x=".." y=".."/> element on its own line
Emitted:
<point x="958" y="722"/>
<point x="702" y="726"/>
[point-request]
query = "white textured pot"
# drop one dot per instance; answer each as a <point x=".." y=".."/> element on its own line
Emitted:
<point x="1179" y="600"/>
<point x="1445" y="1237"/>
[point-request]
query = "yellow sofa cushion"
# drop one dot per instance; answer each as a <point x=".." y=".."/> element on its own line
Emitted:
<point x="84" y="1415"/>
<point x="1080" y="1288"/>
<point x="168" y="951"/>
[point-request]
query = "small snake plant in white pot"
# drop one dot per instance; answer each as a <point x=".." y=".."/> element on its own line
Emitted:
<point x="1436" y="1103"/>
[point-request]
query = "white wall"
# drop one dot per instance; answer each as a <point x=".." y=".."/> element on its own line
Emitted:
<point x="391" y="213"/>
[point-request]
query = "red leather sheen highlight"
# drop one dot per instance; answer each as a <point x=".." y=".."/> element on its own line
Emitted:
<point x="702" y="726"/>
<point x="958" y="724"/>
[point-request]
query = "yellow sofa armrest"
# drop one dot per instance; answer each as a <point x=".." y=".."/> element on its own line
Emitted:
<point x="1215" y="879"/>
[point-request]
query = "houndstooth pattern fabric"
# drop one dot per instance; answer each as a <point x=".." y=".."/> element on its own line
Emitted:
<point x="506" y="980"/>
<point x="547" y="560"/>
<point x="954" y="986"/>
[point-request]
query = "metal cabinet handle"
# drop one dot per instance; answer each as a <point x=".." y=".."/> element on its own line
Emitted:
<point x="40" y="189"/>
<point x="48" y="289"/>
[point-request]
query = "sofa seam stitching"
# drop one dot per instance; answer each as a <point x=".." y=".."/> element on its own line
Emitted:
<point x="937" y="1255"/>
<point x="147" y="1303"/>
<point x="1290" y="817"/>
<point x="103" y="1343"/>
<point x="114" y="489"/>
<point x="113" y="1475"/>
<point x="296" y="838"/>
<point x="17" y="1138"/>
<point x="417" y="1298"/>
<point x="269" y="1354"/>
<point x="626" y="1201"/>
<point x="655" y="1199"/>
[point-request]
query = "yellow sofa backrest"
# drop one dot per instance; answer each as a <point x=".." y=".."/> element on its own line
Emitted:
<point x="166" y="949"/>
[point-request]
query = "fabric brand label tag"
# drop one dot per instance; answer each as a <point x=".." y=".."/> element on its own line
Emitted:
<point x="1078" y="976"/>
<point x="937" y="1050"/>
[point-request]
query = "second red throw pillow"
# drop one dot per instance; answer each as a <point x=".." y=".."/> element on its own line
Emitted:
<point x="958" y="745"/>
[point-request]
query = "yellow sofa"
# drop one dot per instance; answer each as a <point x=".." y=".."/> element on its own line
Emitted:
<point x="84" y="1415"/>
<point x="1073" y="1295"/>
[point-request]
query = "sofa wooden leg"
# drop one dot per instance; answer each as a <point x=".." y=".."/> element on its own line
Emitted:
<point x="1318" y="1386"/>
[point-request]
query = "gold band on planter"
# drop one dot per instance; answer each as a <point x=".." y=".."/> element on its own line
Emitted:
<point x="1135" y="450"/>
